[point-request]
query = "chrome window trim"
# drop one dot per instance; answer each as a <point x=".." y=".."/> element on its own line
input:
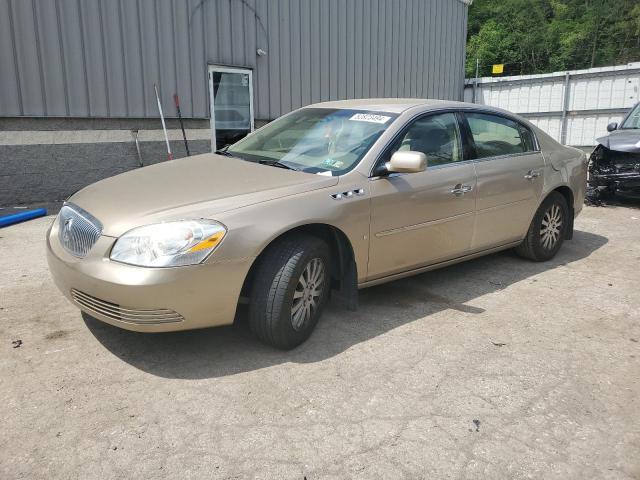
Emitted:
<point x="536" y="149"/>
<point x="504" y="115"/>
<point x="450" y="164"/>
<point x="509" y="155"/>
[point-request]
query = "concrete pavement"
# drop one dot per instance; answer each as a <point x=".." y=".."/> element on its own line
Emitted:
<point x="495" y="368"/>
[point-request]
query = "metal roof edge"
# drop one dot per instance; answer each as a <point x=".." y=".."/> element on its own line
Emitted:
<point x="543" y="76"/>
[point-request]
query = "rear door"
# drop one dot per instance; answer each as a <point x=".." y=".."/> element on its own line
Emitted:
<point x="426" y="217"/>
<point x="509" y="168"/>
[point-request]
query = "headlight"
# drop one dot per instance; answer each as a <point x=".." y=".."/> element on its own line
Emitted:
<point x="169" y="244"/>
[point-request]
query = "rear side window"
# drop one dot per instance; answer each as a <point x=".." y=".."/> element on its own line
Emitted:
<point x="494" y="135"/>
<point x="527" y="138"/>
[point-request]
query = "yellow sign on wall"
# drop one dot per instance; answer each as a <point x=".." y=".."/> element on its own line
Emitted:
<point x="497" y="68"/>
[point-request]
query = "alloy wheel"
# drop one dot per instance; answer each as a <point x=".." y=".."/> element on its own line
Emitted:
<point x="551" y="227"/>
<point x="308" y="292"/>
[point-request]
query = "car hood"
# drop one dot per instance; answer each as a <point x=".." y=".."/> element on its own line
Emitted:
<point x="622" y="140"/>
<point x="194" y="187"/>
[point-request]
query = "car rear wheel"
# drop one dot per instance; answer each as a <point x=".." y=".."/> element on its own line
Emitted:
<point x="547" y="231"/>
<point x="290" y="288"/>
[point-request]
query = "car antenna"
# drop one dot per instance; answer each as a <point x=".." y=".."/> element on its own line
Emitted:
<point x="164" y="126"/>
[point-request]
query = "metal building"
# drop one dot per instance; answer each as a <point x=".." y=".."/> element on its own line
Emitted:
<point x="77" y="77"/>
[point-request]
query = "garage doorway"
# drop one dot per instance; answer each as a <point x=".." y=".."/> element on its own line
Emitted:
<point x="231" y="103"/>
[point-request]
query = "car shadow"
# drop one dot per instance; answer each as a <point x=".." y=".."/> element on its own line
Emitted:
<point x="620" y="202"/>
<point x="222" y="351"/>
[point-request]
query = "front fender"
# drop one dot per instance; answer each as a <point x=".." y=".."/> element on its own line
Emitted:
<point x="251" y="229"/>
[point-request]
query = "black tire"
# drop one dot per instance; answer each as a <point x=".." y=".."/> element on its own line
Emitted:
<point x="535" y="245"/>
<point x="276" y="280"/>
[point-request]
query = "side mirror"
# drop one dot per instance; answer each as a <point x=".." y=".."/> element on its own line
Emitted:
<point x="407" y="162"/>
<point x="612" y="126"/>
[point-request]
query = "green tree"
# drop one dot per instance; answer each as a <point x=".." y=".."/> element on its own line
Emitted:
<point x="540" y="36"/>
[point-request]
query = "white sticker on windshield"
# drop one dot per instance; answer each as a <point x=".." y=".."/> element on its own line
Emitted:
<point x="370" y="117"/>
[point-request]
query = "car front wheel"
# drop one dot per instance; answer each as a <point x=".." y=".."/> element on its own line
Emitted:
<point x="547" y="231"/>
<point x="290" y="288"/>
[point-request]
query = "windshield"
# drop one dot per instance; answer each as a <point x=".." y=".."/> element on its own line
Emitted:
<point x="633" y="120"/>
<point x="315" y="140"/>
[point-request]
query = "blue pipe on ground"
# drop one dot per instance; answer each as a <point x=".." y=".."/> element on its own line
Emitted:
<point x="21" y="217"/>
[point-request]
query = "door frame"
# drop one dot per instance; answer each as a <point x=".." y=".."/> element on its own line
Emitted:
<point x="212" y="115"/>
<point x="467" y="152"/>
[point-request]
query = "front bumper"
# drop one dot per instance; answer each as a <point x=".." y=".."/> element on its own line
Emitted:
<point x="627" y="184"/>
<point x="147" y="299"/>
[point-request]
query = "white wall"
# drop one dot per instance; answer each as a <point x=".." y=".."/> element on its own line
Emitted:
<point x="592" y="98"/>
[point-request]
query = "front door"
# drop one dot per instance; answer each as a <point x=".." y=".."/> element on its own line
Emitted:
<point x="231" y="103"/>
<point x="423" y="218"/>
<point x="510" y="176"/>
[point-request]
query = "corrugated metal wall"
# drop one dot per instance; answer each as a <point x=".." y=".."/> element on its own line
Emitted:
<point x="100" y="58"/>
<point x="573" y="107"/>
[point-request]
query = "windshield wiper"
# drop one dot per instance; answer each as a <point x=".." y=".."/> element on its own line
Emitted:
<point x="275" y="163"/>
<point x="223" y="151"/>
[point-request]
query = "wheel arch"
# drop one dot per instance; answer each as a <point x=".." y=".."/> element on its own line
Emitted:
<point x="567" y="193"/>
<point x="343" y="266"/>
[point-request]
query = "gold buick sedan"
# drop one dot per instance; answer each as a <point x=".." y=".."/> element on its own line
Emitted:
<point x="324" y="201"/>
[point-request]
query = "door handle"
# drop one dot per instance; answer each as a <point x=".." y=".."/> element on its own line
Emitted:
<point x="461" y="189"/>
<point x="531" y="174"/>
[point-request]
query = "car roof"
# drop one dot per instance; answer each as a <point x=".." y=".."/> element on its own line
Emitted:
<point x="390" y="105"/>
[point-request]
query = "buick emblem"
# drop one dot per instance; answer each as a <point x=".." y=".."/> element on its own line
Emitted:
<point x="66" y="229"/>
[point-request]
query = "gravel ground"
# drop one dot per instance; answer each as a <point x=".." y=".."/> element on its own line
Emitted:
<point x="495" y="368"/>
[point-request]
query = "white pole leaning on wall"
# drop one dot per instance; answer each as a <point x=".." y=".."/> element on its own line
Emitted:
<point x="164" y="126"/>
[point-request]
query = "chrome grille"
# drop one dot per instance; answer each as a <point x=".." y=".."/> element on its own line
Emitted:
<point x="78" y="230"/>
<point x="130" y="315"/>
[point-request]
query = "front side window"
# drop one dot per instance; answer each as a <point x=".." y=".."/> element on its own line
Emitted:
<point x="437" y="136"/>
<point x="633" y="120"/>
<point x="315" y="140"/>
<point x="494" y="135"/>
